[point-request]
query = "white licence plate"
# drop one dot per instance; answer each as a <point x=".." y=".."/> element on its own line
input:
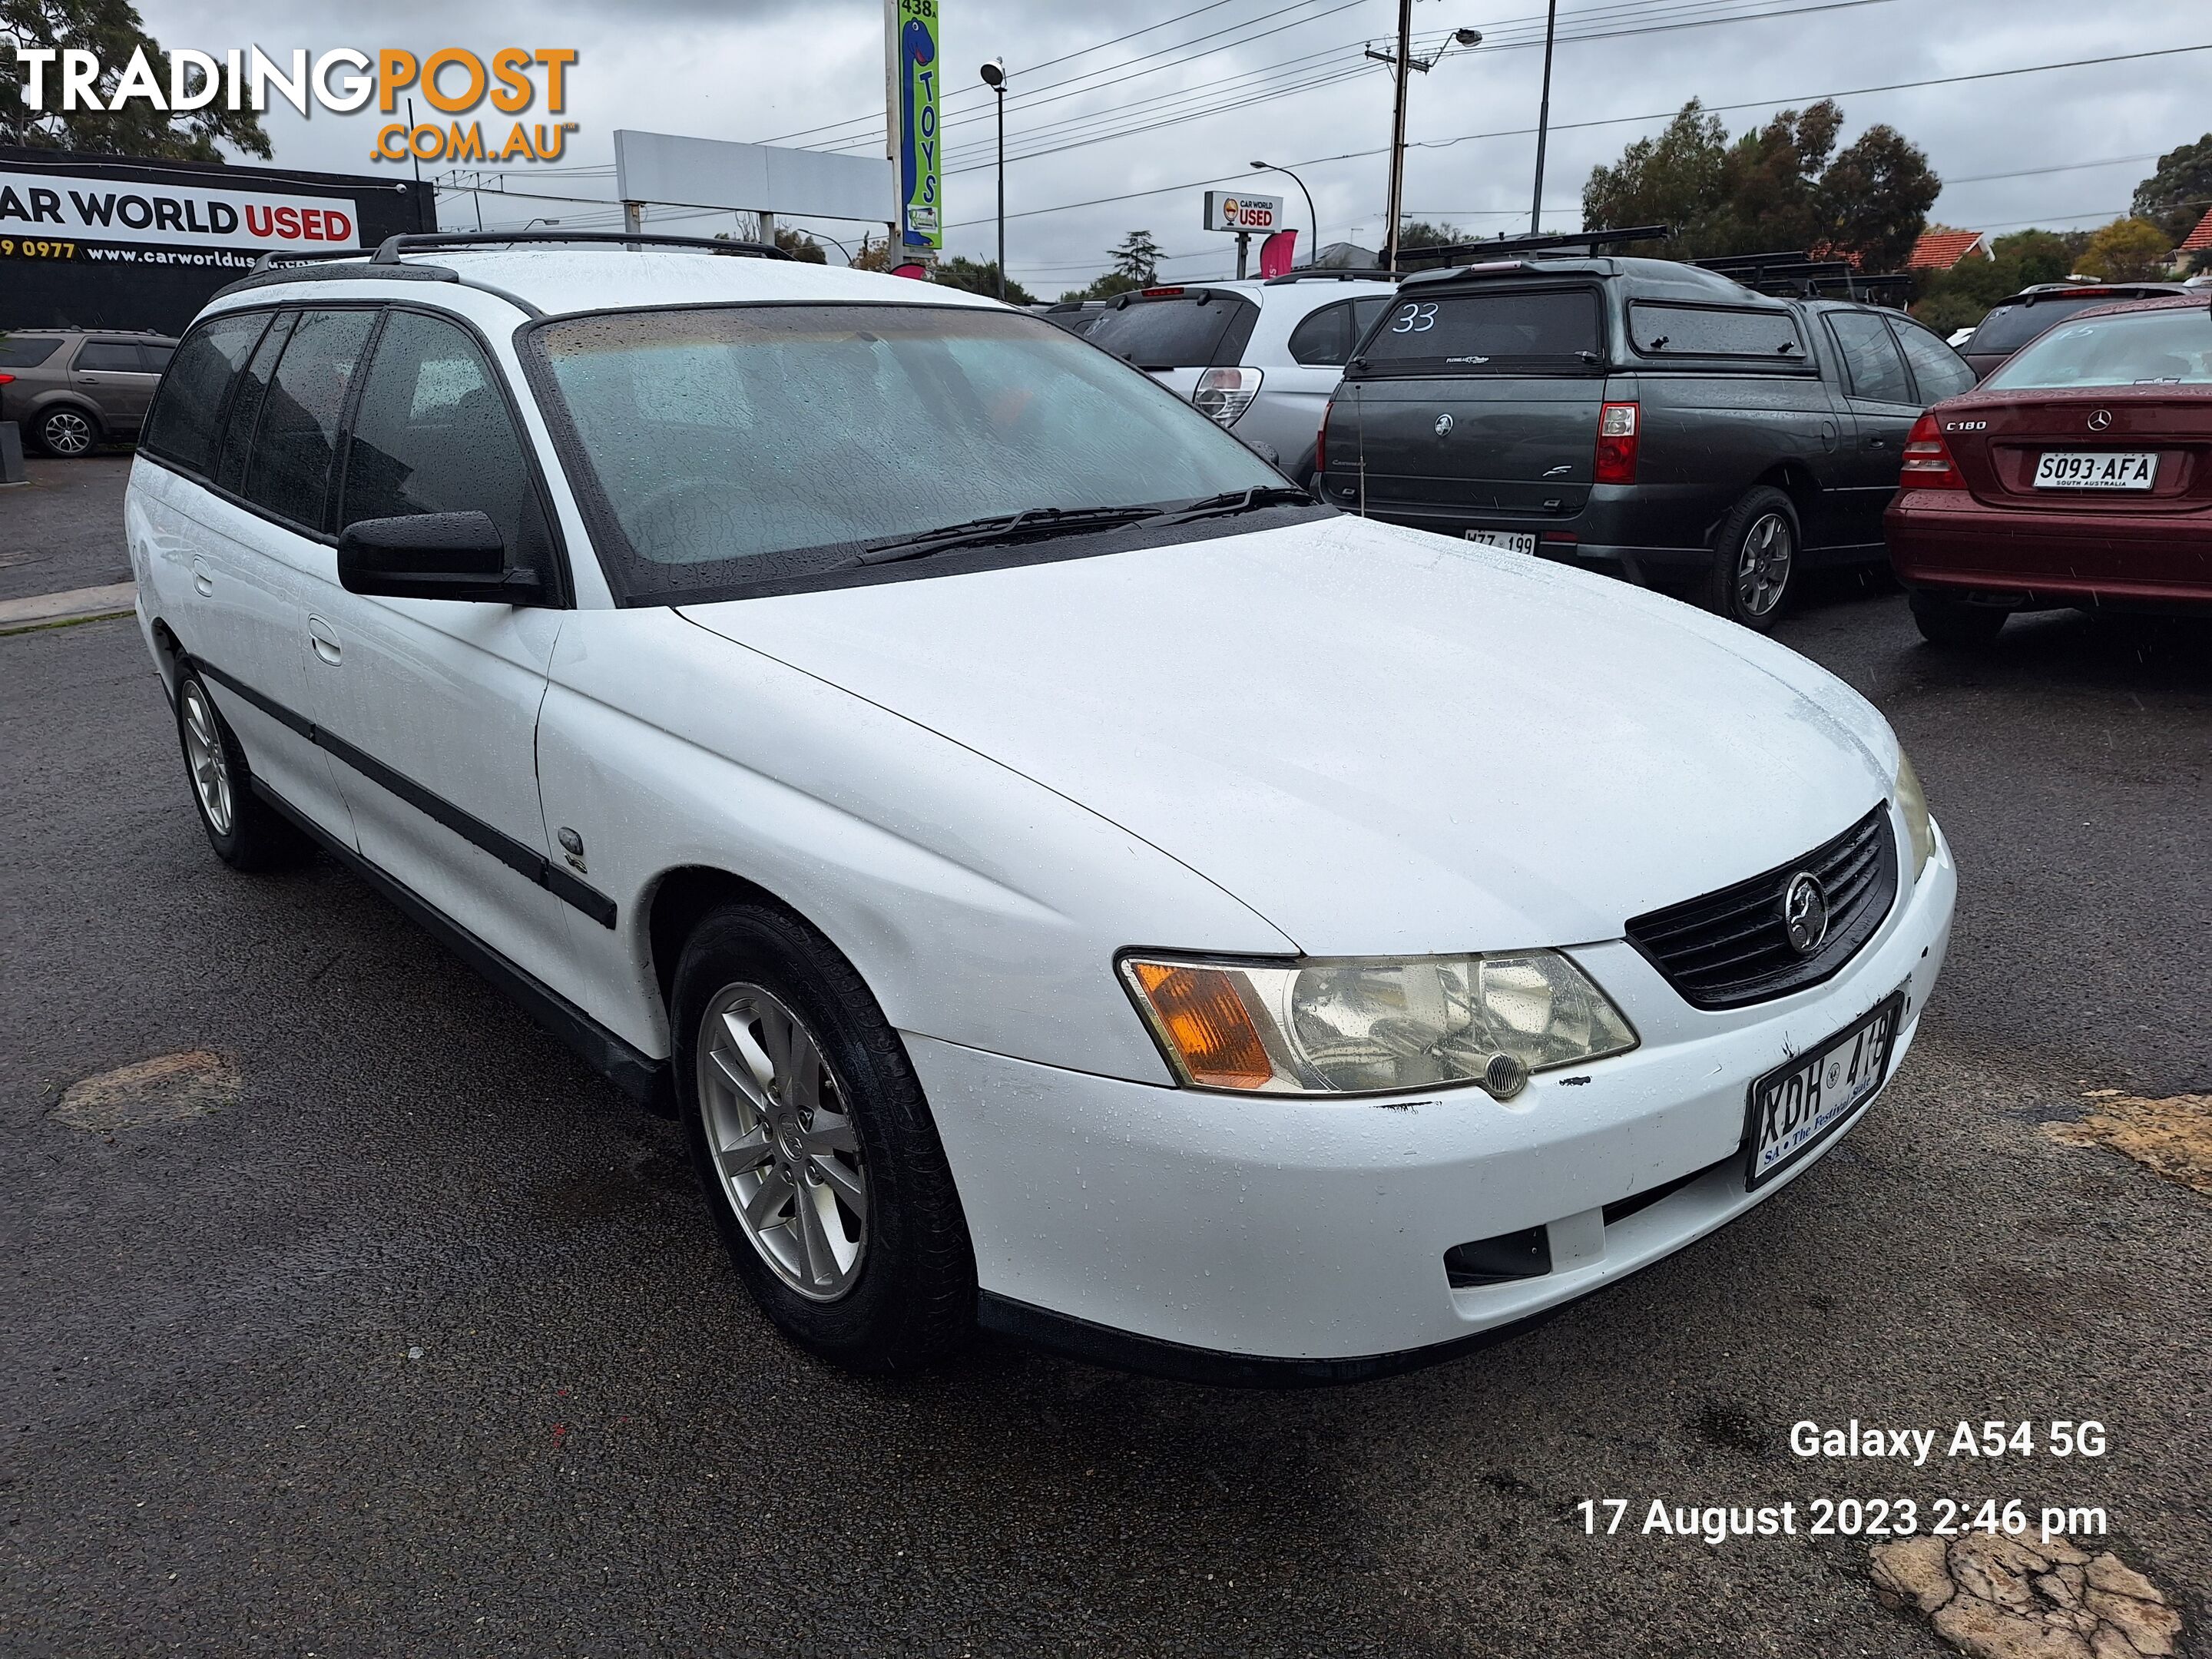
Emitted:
<point x="1799" y="1104"/>
<point x="2060" y="469"/>
<point x="1513" y="541"/>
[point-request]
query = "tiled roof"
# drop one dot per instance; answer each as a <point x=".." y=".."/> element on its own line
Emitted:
<point x="1939" y="250"/>
<point x="2199" y="238"/>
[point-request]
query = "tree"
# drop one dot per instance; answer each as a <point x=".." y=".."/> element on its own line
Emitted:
<point x="1138" y="258"/>
<point x="1961" y="296"/>
<point x="982" y="277"/>
<point x="2178" y="195"/>
<point x="1105" y="288"/>
<point x="110" y="29"/>
<point x="801" y="246"/>
<point x="1419" y="233"/>
<point x="1784" y="186"/>
<point x="2128" y="250"/>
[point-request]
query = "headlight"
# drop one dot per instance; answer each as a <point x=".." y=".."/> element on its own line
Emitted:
<point x="1914" y="804"/>
<point x="1377" y="1026"/>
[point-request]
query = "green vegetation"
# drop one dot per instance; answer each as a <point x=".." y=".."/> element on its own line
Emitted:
<point x="113" y="30"/>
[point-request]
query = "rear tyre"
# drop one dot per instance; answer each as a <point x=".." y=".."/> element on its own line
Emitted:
<point x="819" y="1159"/>
<point x="245" y="830"/>
<point x="1756" y="560"/>
<point x="67" y="433"/>
<point x="1955" y="624"/>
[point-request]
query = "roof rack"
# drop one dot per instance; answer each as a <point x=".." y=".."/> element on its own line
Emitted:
<point x="1795" y="274"/>
<point x="1330" y="273"/>
<point x="389" y="249"/>
<point x="1559" y="241"/>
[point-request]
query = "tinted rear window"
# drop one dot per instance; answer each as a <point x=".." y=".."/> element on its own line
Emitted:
<point x="27" y="354"/>
<point x="1188" y="331"/>
<point x="2010" y="327"/>
<point x="1500" y="333"/>
<point x="183" y="425"/>
<point x="1660" y="330"/>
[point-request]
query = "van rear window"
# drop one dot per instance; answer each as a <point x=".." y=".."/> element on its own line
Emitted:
<point x="1191" y="330"/>
<point x="1498" y="333"/>
<point x="27" y="354"/>
<point x="1663" y="331"/>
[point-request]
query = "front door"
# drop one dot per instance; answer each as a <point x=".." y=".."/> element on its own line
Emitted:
<point x="431" y="705"/>
<point x="1883" y="405"/>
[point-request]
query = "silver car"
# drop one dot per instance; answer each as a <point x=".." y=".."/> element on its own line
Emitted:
<point x="1263" y="358"/>
<point x="69" y="391"/>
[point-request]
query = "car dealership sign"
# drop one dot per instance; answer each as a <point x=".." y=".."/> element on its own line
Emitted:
<point x="62" y="208"/>
<point x="1228" y="209"/>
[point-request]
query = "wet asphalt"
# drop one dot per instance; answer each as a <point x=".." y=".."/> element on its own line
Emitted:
<point x="425" y="1344"/>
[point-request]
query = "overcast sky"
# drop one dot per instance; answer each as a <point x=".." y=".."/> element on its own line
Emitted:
<point x="758" y="70"/>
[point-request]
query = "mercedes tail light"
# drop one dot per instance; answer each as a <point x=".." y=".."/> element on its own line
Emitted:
<point x="1617" y="428"/>
<point x="1927" y="462"/>
<point x="1222" y="394"/>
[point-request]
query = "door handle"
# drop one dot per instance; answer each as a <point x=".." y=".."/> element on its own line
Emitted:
<point x="325" y="641"/>
<point x="203" y="583"/>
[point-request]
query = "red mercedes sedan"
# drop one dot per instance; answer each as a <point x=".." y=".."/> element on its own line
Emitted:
<point x="2078" y="474"/>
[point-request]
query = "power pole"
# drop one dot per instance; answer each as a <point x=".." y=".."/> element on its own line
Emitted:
<point x="1402" y="66"/>
<point x="1544" y="119"/>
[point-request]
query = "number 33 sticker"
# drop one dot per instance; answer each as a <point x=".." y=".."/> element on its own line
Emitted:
<point x="1416" y="320"/>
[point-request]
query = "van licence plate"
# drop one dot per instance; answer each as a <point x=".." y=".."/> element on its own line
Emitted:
<point x="2059" y="468"/>
<point x="1512" y="541"/>
<point x="1799" y="1104"/>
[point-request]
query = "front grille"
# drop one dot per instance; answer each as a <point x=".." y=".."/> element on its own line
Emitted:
<point x="1731" y="947"/>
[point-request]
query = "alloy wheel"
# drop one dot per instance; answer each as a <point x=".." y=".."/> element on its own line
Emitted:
<point x="1762" y="567"/>
<point x="204" y="755"/>
<point x="66" y="432"/>
<point x="781" y="1137"/>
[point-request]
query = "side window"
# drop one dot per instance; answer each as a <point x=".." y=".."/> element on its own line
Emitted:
<point x="292" y="452"/>
<point x="1324" y="339"/>
<point x="1364" y="313"/>
<point x="1870" y="357"/>
<point x="433" y="434"/>
<point x="245" y="406"/>
<point x="182" y="427"/>
<point x="27" y="354"/>
<point x="157" y="358"/>
<point x="1940" y="372"/>
<point x="109" y="356"/>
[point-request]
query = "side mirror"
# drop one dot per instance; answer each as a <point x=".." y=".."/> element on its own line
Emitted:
<point x="433" y="556"/>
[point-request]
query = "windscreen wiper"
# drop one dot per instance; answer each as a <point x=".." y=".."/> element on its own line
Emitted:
<point x="1000" y="527"/>
<point x="1239" y="500"/>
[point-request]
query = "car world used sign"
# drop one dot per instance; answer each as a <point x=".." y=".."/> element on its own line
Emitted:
<point x="61" y="208"/>
<point x="1230" y="209"/>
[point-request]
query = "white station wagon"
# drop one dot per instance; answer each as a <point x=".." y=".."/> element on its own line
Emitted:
<point x="1064" y="879"/>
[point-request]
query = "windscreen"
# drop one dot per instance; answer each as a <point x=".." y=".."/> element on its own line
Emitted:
<point x="2138" y="348"/>
<point x="1186" y="331"/>
<point x="753" y="443"/>
<point x="1505" y="332"/>
<point x="2010" y="327"/>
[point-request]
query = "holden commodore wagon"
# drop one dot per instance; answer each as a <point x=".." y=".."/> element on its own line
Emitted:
<point x="1064" y="879"/>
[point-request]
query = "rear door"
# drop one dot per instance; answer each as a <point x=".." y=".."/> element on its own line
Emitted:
<point x="117" y="379"/>
<point x="1879" y="393"/>
<point x="1176" y="334"/>
<point x="1473" y="407"/>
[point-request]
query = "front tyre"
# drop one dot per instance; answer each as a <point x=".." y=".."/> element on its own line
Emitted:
<point x="1955" y="624"/>
<point x="245" y="830"/>
<point x="67" y="433"/>
<point x="1755" y="560"/>
<point x="819" y="1159"/>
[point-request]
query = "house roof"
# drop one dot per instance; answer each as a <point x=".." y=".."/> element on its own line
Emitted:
<point x="1939" y="250"/>
<point x="2199" y="238"/>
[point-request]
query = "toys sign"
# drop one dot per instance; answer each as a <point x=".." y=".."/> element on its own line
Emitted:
<point x="1228" y="209"/>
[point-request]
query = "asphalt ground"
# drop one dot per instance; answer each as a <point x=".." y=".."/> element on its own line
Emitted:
<point x="63" y="529"/>
<point x="424" y="1345"/>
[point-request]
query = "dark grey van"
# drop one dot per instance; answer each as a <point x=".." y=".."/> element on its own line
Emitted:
<point x="1640" y="416"/>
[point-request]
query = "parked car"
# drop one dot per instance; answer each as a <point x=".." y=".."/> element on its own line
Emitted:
<point x="71" y="391"/>
<point x="1653" y="419"/>
<point x="2011" y="323"/>
<point x="1077" y="317"/>
<point x="1007" y="821"/>
<point x="2080" y="473"/>
<point x="1259" y="357"/>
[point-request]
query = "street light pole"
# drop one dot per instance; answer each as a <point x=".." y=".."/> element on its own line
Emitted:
<point x="1544" y="117"/>
<point x="994" y="76"/>
<point x="1313" y="252"/>
<point x="1398" y="133"/>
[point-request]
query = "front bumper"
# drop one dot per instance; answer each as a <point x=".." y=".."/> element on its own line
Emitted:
<point x="1315" y="1230"/>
